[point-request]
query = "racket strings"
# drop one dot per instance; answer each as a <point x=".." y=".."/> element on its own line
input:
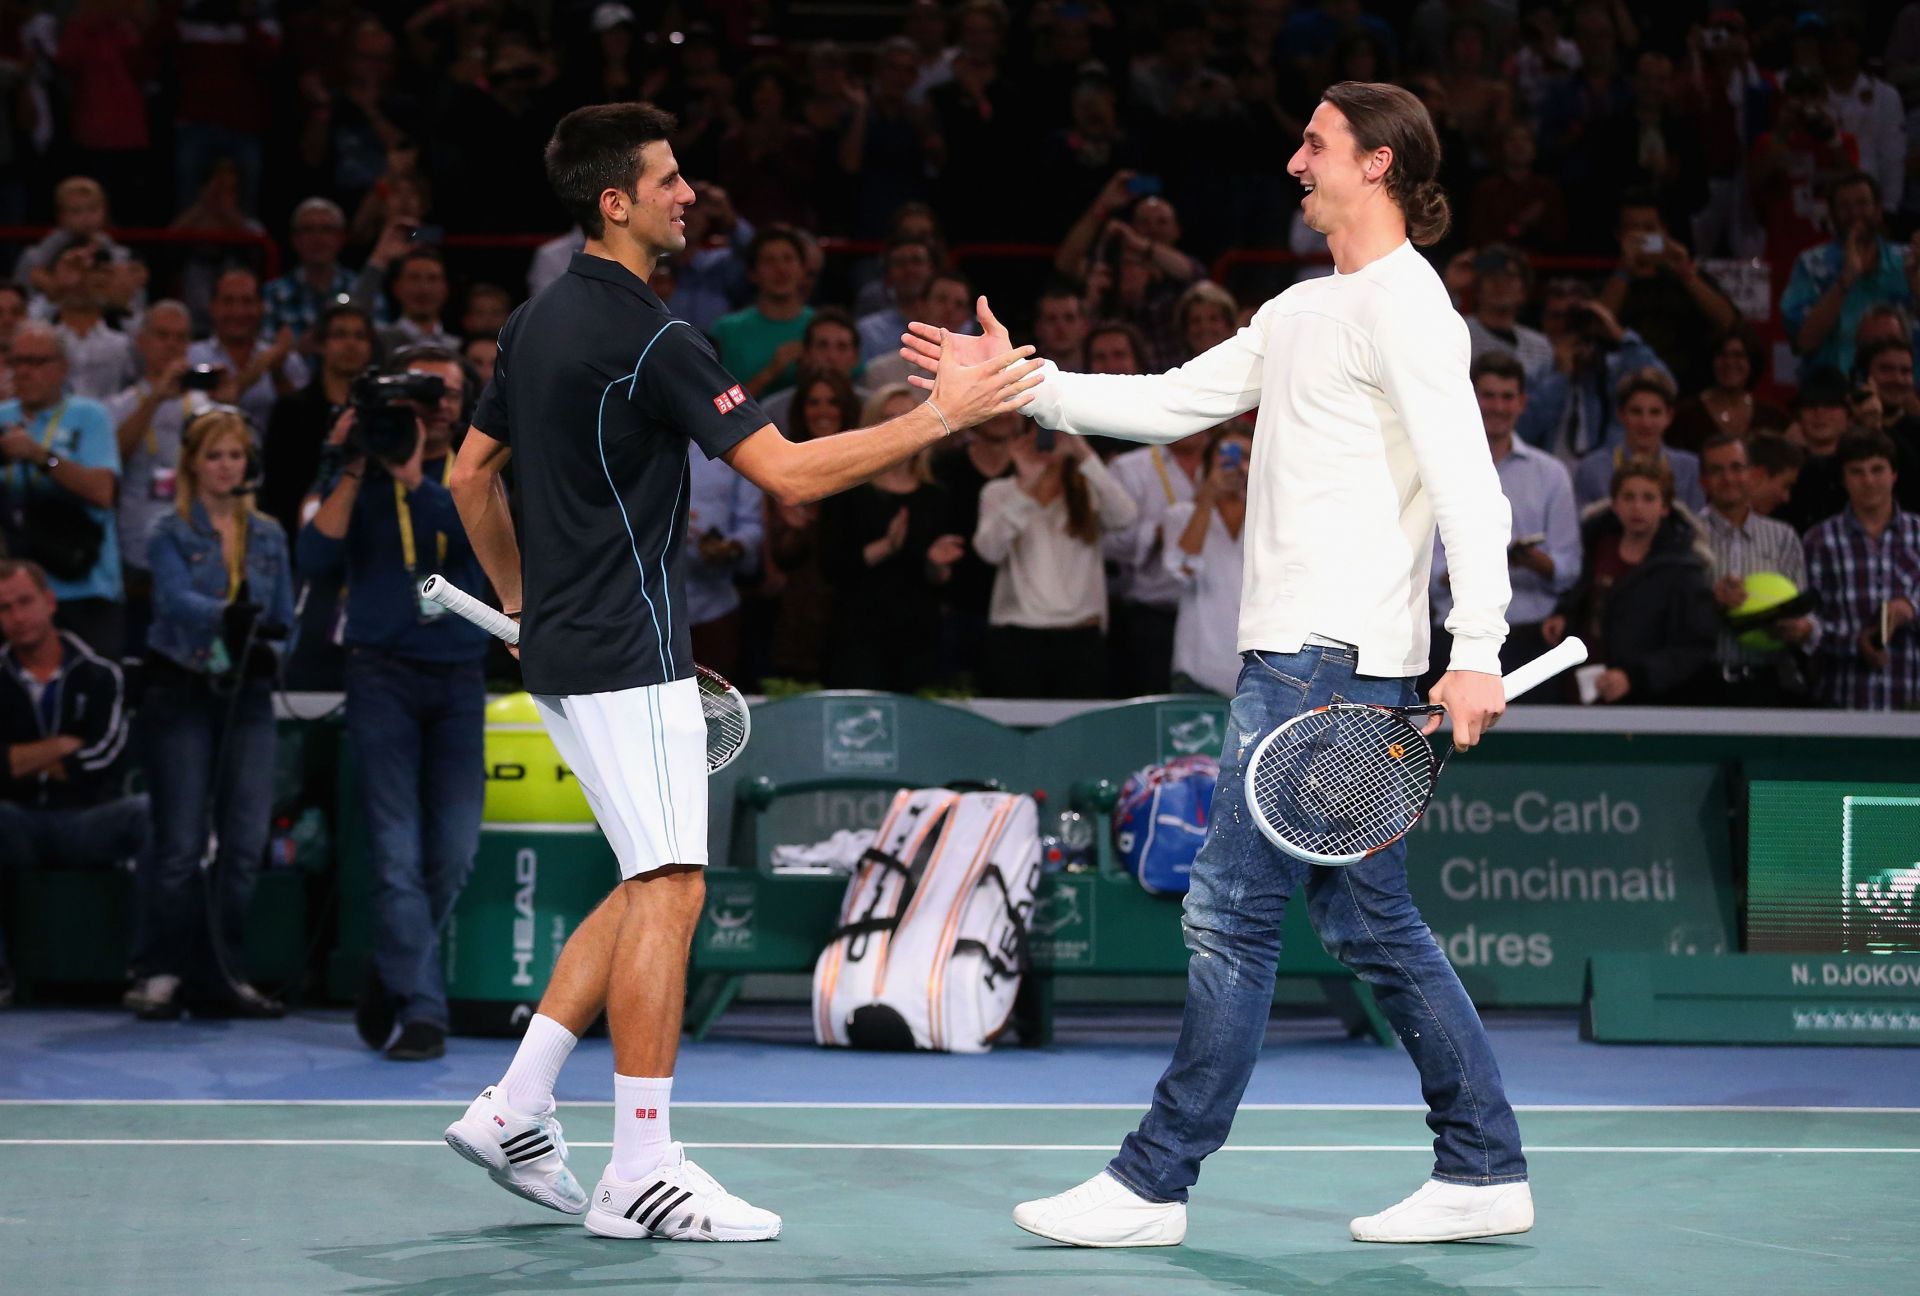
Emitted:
<point x="726" y="716"/>
<point x="1344" y="781"/>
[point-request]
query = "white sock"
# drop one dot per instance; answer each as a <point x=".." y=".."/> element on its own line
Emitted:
<point x="640" y="1136"/>
<point x="528" y="1084"/>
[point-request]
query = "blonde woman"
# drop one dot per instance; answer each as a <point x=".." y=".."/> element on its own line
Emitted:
<point x="222" y="602"/>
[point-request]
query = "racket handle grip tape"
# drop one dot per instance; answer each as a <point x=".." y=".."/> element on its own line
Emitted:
<point x="462" y="604"/>
<point x="1569" y="653"/>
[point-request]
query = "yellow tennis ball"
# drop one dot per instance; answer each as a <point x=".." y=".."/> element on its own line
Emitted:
<point x="527" y="782"/>
<point x="1765" y="590"/>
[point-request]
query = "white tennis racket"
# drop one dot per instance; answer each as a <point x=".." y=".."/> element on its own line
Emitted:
<point x="729" y="724"/>
<point x="1341" y="782"/>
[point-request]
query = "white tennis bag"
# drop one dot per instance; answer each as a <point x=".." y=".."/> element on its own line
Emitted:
<point x="932" y="940"/>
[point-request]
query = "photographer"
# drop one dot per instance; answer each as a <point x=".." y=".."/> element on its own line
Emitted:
<point x="222" y="605"/>
<point x="148" y="418"/>
<point x="1834" y="284"/>
<point x="1571" y="410"/>
<point x="414" y="684"/>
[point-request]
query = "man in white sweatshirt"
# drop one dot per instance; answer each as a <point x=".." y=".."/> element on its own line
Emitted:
<point x="1368" y="435"/>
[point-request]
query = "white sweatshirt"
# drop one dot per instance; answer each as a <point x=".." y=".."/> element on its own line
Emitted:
<point x="1047" y="579"/>
<point x="1368" y="434"/>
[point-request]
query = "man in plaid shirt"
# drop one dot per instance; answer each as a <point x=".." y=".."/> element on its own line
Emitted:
<point x="296" y="298"/>
<point x="1744" y="542"/>
<point x="1864" y="566"/>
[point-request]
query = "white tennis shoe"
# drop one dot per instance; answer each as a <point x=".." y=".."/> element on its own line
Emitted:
<point x="1103" y="1212"/>
<point x="523" y="1154"/>
<point x="679" y="1202"/>
<point x="1450" y="1212"/>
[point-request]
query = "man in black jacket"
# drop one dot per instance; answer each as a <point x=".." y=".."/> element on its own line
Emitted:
<point x="63" y="725"/>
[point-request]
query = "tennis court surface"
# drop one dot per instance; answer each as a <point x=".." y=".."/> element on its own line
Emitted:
<point x="281" y="1158"/>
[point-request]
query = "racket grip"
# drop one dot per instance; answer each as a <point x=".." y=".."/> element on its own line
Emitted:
<point x="1570" y="653"/>
<point x="462" y="604"/>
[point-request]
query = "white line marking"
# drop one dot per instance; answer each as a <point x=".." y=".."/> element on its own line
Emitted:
<point x="946" y="1106"/>
<point x="1775" y="1246"/>
<point x="965" y="1147"/>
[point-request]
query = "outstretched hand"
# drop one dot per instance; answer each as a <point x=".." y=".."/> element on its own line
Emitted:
<point x="920" y="344"/>
<point x="969" y="394"/>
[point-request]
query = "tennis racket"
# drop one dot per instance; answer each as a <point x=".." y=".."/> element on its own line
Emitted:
<point x="1338" y="783"/>
<point x="729" y="724"/>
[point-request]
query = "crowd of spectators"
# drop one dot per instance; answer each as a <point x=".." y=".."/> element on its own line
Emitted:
<point x="1686" y="248"/>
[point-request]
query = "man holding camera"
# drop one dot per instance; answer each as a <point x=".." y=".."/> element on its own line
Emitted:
<point x="1570" y="411"/>
<point x="416" y="695"/>
<point x="255" y="374"/>
<point x="1836" y="283"/>
<point x="148" y="418"/>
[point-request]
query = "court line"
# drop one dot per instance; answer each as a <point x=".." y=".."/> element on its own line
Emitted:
<point x="966" y="1147"/>
<point x="1597" y="1108"/>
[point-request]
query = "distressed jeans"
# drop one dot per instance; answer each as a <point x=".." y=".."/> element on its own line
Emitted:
<point x="1364" y="915"/>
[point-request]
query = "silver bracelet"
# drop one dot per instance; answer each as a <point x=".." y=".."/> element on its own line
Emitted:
<point x="937" y="414"/>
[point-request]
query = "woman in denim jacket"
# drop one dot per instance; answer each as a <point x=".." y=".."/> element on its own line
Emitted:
<point x="222" y="605"/>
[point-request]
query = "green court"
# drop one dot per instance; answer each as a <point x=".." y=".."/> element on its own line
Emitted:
<point x="205" y="1197"/>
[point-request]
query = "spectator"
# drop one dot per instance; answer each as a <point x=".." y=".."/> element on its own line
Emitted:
<point x="977" y="115"/>
<point x="984" y="455"/>
<point x="13" y="310"/>
<point x="220" y="213"/>
<point x="1795" y="168"/>
<point x="1542" y="57"/>
<point x="1205" y="316"/>
<point x="1482" y="104"/>
<point x="1571" y="409"/>
<point x="1146" y="591"/>
<point x="1205" y="554"/>
<point x="767" y="158"/>
<point x="299" y="424"/>
<point x="712" y="273"/>
<point x="1885" y="368"/>
<point x="1080" y="157"/>
<point x="1731" y="101"/>
<point x="1579" y="112"/>
<point x="908" y="269"/>
<point x="1502" y="282"/>
<point x="1060" y="327"/>
<point x="419" y="287"/>
<point x="1543" y="561"/>
<point x="1116" y="347"/>
<point x="830" y="342"/>
<point x="1820" y="422"/>
<point x="1644" y="603"/>
<point x="1727" y="404"/>
<point x="59" y="477"/>
<point x="1659" y="293"/>
<point x="224" y="59"/>
<point x="763" y="339"/>
<point x="415" y="703"/>
<point x="486" y="311"/>
<point x="1134" y="271"/>
<point x="356" y="122"/>
<point x="1516" y="205"/>
<point x="1042" y="528"/>
<point x="1773" y="467"/>
<point x="949" y="304"/>
<point x="480" y="353"/>
<point x="491" y="134"/>
<point x="1646" y="402"/>
<point x="1868" y="109"/>
<point x="886" y="550"/>
<point x="551" y="258"/>
<point x="80" y="211"/>
<point x="253" y="374"/>
<point x="1864" y="567"/>
<point x="148" y="418"/>
<point x="724" y="534"/>
<point x="890" y="143"/>
<point x="223" y="608"/>
<point x="1743" y="543"/>
<point x="101" y="357"/>
<point x="294" y="300"/>
<point x="795" y="602"/>
<point x="105" y="59"/>
<point x="1653" y="149"/>
<point x="63" y="724"/>
<point x="1834" y="284"/>
<point x="830" y="108"/>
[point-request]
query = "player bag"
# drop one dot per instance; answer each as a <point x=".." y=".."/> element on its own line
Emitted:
<point x="1160" y="821"/>
<point x="932" y="940"/>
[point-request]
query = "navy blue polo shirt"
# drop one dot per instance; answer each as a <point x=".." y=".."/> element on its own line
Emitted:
<point x="598" y="389"/>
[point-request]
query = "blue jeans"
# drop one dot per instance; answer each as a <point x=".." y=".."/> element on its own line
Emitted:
<point x="417" y="730"/>
<point x="1363" y="914"/>
<point x="200" y="789"/>
<point x="98" y="836"/>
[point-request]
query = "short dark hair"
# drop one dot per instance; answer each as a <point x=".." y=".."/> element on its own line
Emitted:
<point x="1650" y="381"/>
<point x="9" y="286"/>
<point x="1864" y="357"/>
<point x="597" y="148"/>
<point x="33" y="571"/>
<point x="1774" y="455"/>
<point x="1849" y="180"/>
<point x="419" y="252"/>
<point x="1720" y="441"/>
<point x="775" y="234"/>
<point x="344" y="310"/>
<point x="493" y="290"/>
<point x="1756" y="356"/>
<point x="1821" y="387"/>
<point x="1142" y="354"/>
<point x="1637" y="196"/>
<point x="1386" y="116"/>
<point x="825" y="315"/>
<point x="1497" y="364"/>
<point x="1644" y="469"/>
<point x="1859" y="445"/>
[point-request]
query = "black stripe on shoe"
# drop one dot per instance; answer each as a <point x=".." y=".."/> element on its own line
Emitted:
<point x="508" y="1145"/>
<point x="665" y="1210"/>
<point x="531" y="1152"/>
<point x="659" y="1186"/>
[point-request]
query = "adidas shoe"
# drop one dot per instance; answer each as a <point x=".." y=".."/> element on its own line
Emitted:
<point x="678" y="1201"/>
<point x="1103" y="1212"/>
<point x="523" y="1154"/>
<point x="1451" y="1212"/>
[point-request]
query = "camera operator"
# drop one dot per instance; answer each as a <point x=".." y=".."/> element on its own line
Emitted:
<point x="222" y="609"/>
<point x="415" y="690"/>
<point x="1571" y="412"/>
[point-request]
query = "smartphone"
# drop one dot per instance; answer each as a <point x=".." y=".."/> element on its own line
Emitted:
<point x="1653" y="244"/>
<point x="428" y="234"/>
<point x="1043" y="439"/>
<point x="1233" y="457"/>
<point x="1144" y="186"/>
<point x="202" y="378"/>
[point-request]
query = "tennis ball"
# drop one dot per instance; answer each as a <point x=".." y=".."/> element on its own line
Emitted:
<point x="526" y="780"/>
<point x="1765" y="589"/>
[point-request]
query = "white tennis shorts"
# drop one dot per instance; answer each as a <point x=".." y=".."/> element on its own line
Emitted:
<point x="641" y="757"/>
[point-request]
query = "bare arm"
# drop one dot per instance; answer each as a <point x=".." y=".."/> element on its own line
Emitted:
<point x="96" y="486"/>
<point x="481" y="497"/>
<point x="336" y="510"/>
<point x="28" y="759"/>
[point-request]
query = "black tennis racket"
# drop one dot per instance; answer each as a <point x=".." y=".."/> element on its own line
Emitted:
<point x="729" y="724"/>
<point x="1341" y="782"/>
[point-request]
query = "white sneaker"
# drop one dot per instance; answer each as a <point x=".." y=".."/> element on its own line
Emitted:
<point x="1103" y="1212"/>
<point x="146" y="992"/>
<point x="1450" y="1212"/>
<point x="523" y="1154"/>
<point x="678" y="1201"/>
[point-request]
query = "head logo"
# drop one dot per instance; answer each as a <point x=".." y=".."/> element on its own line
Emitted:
<point x="860" y="737"/>
<point x="1190" y="730"/>
<point x="1057" y="911"/>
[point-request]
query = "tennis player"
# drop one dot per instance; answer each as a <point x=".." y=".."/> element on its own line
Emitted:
<point x="1368" y="434"/>
<point x="596" y="393"/>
